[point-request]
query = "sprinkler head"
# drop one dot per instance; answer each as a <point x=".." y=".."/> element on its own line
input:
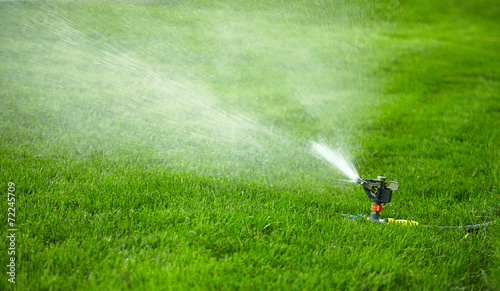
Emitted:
<point x="379" y="191"/>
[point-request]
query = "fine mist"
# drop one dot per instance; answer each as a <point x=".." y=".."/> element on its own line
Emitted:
<point x="222" y="93"/>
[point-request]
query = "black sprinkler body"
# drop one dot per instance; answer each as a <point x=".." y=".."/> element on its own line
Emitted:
<point x="380" y="192"/>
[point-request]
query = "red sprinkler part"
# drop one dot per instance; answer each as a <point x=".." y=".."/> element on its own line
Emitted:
<point x="377" y="207"/>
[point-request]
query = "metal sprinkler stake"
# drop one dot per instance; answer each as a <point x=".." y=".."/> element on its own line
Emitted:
<point x="380" y="192"/>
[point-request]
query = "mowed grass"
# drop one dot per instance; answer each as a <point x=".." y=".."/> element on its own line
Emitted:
<point x="163" y="145"/>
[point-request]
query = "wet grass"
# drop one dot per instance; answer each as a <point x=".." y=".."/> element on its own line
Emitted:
<point x="163" y="145"/>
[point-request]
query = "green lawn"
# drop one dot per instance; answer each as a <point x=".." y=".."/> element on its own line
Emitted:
<point x="165" y="144"/>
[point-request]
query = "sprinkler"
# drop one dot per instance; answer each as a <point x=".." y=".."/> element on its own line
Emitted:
<point x="380" y="192"/>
